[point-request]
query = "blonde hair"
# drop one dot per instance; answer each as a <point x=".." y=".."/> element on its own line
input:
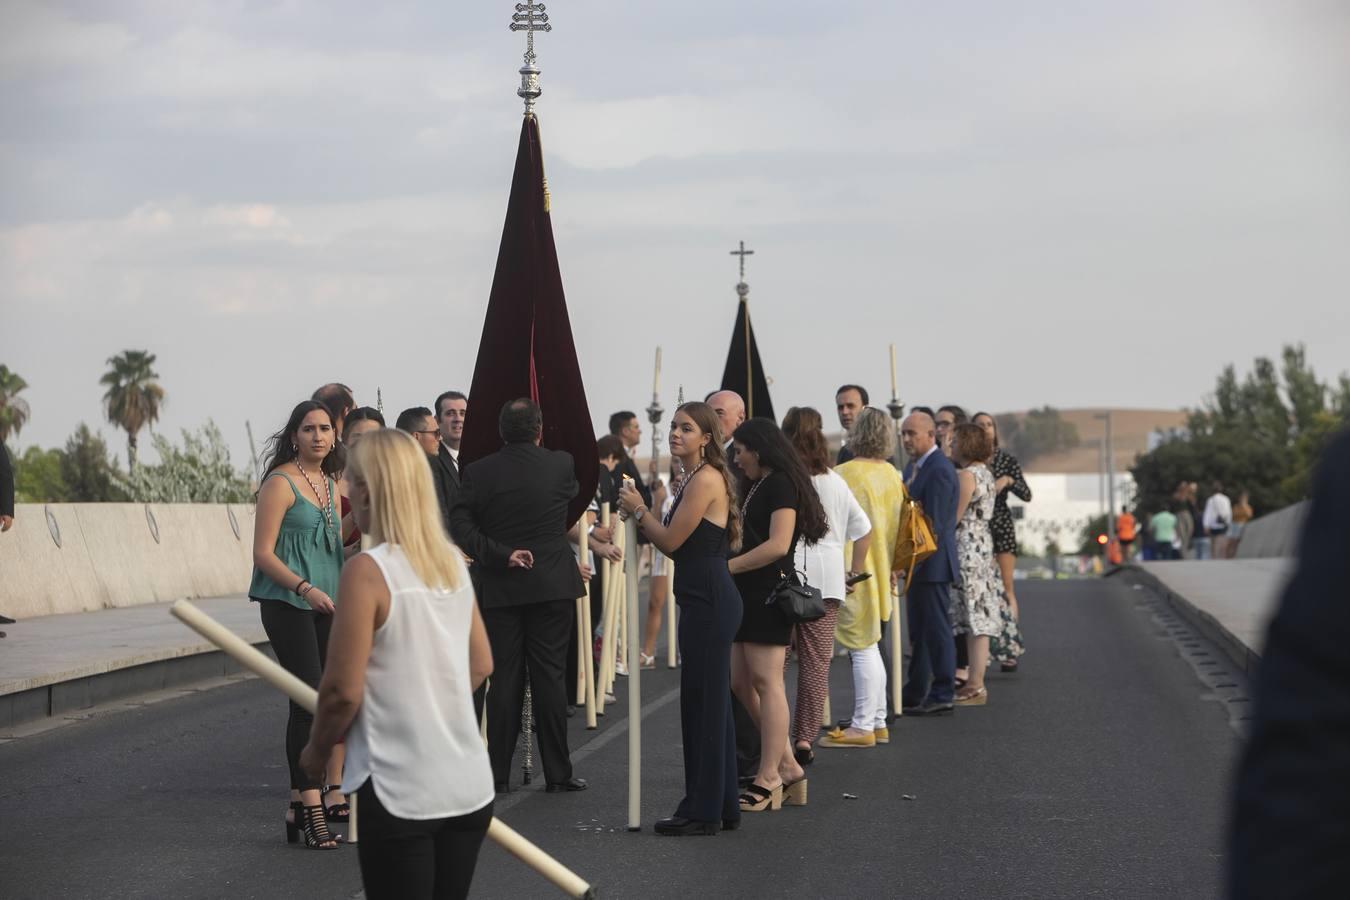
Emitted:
<point x="403" y="505"/>
<point x="872" y="436"/>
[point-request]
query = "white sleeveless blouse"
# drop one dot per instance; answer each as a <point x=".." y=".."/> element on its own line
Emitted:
<point x="415" y="736"/>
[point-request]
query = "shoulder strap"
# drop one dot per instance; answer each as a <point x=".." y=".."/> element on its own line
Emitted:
<point x="294" y="490"/>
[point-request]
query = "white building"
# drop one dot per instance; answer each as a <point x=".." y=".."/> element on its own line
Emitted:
<point x="1061" y="505"/>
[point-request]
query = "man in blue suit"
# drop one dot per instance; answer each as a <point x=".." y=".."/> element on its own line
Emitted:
<point x="931" y="480"/>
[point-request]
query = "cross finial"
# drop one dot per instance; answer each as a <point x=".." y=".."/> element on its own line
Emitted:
<point x="529" y="17"/>
<point x="742" y="288"/>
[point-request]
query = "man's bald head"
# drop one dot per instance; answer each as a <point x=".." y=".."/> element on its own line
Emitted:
<point x="730" y="409"/>
<point x="918" y="433"/>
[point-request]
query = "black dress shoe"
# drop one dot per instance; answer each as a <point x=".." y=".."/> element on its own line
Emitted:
<point x="571" y="784"/>
<point x="731" y="824"/>
<point x="931" y="709"/>
<point x="679" y="826"/>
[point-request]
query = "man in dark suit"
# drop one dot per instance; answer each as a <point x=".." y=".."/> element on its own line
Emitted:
<point x="6" y="490"/>
<point x="511" y="518"/>
<point x="1290" y="829"/>
<point x="451" y="409"/>
<point x="625" y="426"/>
<point x="931" y="480"/>
<point x="849" y="400"/>
<point x="421" y="424"/>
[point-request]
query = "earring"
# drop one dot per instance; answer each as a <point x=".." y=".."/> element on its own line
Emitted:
<point x="294" y="449"/>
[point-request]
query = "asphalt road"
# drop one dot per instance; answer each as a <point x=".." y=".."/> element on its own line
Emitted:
<point x="1099" y="770"/>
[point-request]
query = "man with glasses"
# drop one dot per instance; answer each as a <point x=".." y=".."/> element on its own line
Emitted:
<point x="946" y="420"/>
<point x="421" y="424"/>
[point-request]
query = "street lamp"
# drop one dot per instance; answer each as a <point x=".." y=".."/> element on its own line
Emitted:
<point x="1110" y="477"/>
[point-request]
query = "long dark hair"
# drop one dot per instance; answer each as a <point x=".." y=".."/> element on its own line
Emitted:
<point x="716" y="457"/>
<point x="806" y="431"/>
<point x="991" y="419"/>
<point x="281" y="447"/>
<point x="775" y="453"/>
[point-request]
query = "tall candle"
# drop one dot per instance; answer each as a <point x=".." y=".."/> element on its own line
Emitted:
<point x="656" y="377"/>
<point x="894" y="395"/>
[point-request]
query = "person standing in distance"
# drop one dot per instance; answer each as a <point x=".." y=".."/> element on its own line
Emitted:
<point x="849" y="400"/>
<point x="511" y="519"/>
<point x="421" y="424"/>
<point x="451" y="409"/>
<point x="931" y="480"/>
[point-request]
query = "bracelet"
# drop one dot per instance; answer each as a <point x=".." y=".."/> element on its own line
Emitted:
<point x="298" y="585"/>
<point x="639" y="513"/>
<point x="306" y="591"/>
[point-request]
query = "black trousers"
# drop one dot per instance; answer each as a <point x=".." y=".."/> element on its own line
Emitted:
<point x="300" y="641"/>
<point x="533" y="636"/>
<point x="413" y="859"/>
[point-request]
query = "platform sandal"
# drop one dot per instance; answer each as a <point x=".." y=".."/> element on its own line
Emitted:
<point x="338" y="812"/>
<point x="315" y="827"/>
<point x="794" y="792"/>
<point x="759" y="799"/>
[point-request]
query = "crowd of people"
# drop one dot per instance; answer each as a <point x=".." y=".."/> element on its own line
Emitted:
<point x="1184" y="529"/>
<point x="474" y="571"/>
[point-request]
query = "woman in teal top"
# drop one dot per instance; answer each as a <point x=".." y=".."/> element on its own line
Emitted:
<point x="297" y="558"/>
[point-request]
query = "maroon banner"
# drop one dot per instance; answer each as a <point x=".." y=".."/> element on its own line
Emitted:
<point x="526" y="349"/>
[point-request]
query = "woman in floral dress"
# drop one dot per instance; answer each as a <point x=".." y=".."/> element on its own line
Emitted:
<point x="976" y="604"/>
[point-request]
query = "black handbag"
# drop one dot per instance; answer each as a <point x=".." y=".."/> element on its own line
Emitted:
<point x="797" y="599"/>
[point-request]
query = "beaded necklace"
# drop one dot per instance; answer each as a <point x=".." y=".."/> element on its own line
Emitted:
<point x="684" y="483"/>
<point x="326" y="498"/>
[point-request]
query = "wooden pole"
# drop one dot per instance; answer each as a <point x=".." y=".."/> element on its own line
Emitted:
<point x="634" y="643"/>
<point x="897" y="656"/>
<point x="585" y="662"/>
<point x="611" y="611"/>
<point x="672" y="656"/>
<point x="305" y="696"/>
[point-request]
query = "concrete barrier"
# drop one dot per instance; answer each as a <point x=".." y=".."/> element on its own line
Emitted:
<point x="80" y="557"/>
<point x="1273" y="535"/>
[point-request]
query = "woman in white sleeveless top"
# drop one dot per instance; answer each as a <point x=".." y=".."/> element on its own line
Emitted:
<point x="407" y="650"/>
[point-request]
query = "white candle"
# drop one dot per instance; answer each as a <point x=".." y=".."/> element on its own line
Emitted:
<point x="894" y="395"/>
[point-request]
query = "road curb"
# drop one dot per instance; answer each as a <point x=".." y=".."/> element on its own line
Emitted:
<point x="1242" y="656"/>
<point x="71" y="695"/>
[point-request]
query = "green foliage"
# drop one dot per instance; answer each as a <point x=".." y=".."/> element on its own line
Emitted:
<point x="37" y="477"/>
<point x="134" y="397"/>
<point x="1039" y="432"/>
<point x="90" y="473"/>
<point x="1263" y="434"/>
<point x="14" y="409"/>
<point x="199" y="472"/>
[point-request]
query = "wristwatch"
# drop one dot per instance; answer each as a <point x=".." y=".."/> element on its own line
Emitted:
<point x="639" y="513"/>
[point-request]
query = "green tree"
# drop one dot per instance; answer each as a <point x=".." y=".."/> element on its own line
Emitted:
<point x="37" y="477"/>
<point x="89" y="472"/>
<point x="1088" y="538"/>
<point x="198" y="472"/>
<point x="1263" y="433"/>
<point x="134" y="397"/>
<point x="14" y="410"/>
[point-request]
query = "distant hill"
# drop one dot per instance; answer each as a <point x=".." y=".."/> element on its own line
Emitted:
<point x="1130" y="431"/>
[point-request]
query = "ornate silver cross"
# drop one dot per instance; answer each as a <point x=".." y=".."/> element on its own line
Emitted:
<point x="529" y="17"/>
<point x="742" y="288"/>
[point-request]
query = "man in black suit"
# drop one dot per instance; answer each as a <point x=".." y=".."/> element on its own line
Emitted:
<point x="6" y="490"/>
<point x="625" y="426"/>
<point x="511" y="518"/>
<point x="451" y="409"/>
<point x="931" y="479"/>
<point x="421" y="424"/>
<point x="849" y="400"/>
<point x="1290" y="828"/>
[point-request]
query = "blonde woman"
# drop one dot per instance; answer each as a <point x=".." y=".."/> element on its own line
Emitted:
<point x="880" y="491"/>
<point x="409" y="649"/>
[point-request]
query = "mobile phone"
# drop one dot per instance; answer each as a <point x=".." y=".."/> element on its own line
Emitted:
<point x="856" y="579"/>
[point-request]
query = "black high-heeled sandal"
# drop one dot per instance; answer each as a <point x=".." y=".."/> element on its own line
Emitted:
<point x="804" y="755"/>
<point x="338" y="812"/>
<point x="315" y="827"/>
<point x="293" y="823"/>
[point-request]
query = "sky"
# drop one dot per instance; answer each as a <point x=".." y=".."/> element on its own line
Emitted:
<point x="1037" y="203"/>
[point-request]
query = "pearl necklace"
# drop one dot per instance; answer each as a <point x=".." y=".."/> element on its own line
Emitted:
<point x="326" y="499"/>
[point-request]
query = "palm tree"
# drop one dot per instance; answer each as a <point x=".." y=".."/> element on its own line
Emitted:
<point x="133" y="397"/>
<point x="14" y="411"/>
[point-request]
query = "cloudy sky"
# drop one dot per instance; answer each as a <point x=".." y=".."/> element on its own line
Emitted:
<point x="1063" y="203"/>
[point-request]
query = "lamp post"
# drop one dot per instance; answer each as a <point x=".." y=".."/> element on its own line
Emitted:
<point x="1110" y="477"/>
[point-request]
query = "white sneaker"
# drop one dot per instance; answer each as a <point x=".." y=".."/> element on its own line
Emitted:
<point x="620" y="668"/>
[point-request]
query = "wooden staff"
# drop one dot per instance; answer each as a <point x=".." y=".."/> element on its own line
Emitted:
<point x="672" y="658"/>
<point x="825" y="717"/>
<point x="609" y="615"/>
<point x="585" y="664"/>
<point x="897" y="672"/>
<point x="250" y="658"/>
<point x="630" y="553"/>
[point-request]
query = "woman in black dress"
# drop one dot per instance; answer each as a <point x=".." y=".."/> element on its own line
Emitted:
<point x="1007" y="478"/>
<point x="701" y="527"/>
<point x="780" y="507"/>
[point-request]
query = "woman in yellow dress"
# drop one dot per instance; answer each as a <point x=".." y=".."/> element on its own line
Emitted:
<point x="880" y="491"/>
